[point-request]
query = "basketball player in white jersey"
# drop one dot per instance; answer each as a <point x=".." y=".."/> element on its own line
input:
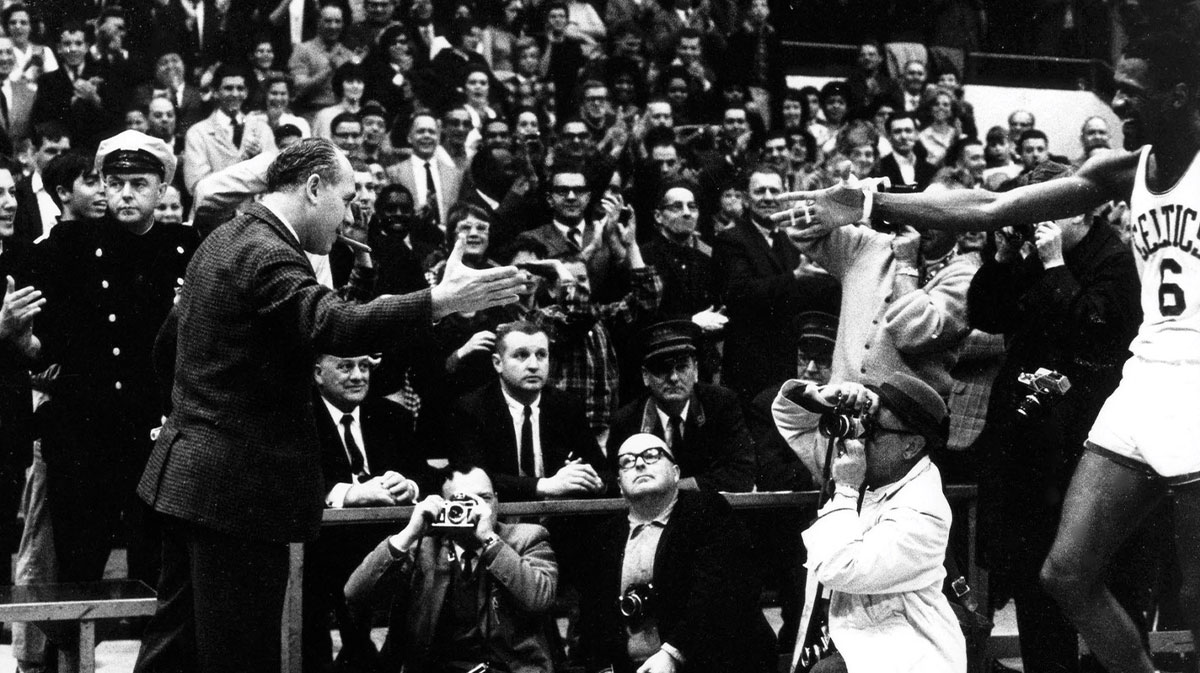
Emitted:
<point x="1145" y="444"/>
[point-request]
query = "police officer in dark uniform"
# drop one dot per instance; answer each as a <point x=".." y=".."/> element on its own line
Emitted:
<point x="109" y="283"/>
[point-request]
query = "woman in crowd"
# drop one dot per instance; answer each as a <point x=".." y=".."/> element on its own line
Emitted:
<point x="477" y="88"/>
<point x="685" y="94"/>
<point x="278" y="100"/>
<point x="31" y="59"/>
<point x="349" y="84"/>
<point x="859" y="142"/>
<point x="262" y="68"/>
<point x="940" y="113"/>
<point x="170" y="209"/>
<point x="498" y="41"/>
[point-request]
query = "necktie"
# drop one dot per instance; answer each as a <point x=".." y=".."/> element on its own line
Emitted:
<point x="674" y="434"/>
<point x="466" y="561"/>
<point x="431" y="195"/>
<point x="527" y="464"/>
<point x="237" y="131"/>
<point x="356" y="461"/>
<point x="575" y="236"/>
<point x="4" y="107"/>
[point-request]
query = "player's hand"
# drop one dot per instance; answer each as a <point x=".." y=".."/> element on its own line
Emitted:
<point x="832" y="207"/>
<point x="572" y="478"/>
<point x="463" y="289"/>
<point x="1048" y="239"/>
<point x="906" y="246"/>
<point x="850" y="466"/>
<point x="484" y="341"/>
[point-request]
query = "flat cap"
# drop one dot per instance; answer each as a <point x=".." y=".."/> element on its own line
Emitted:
<point x="136" y="152"/>
<point x="667" y="338"/>
<point x="916" y="404"/>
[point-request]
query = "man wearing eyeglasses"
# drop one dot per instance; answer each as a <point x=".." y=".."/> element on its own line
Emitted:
<point x="675" y="587"/>
<point x="682" y="260"/>
<point x="701" y="424"/>
<point x="879" y="543"/>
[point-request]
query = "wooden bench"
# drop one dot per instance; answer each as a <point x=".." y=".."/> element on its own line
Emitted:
<point x="83" y="603"/>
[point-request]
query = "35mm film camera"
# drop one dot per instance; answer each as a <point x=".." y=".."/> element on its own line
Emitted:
<point x="458" y="513"/>
<point x="1046" y="387"/>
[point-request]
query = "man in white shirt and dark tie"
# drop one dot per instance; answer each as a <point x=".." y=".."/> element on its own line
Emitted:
<point x="368" y="456"/>
<point x="431" y="178"/>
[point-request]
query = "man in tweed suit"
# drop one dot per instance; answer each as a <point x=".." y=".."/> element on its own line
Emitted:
<point x="236" y="472"/>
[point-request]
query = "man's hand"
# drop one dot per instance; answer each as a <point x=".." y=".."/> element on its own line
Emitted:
<point x="850" y="466"/>
<point x="485" y="521"/>
<point x="659" y="662"/>
<point x="1008" y="245"/>
<point x="402" y="489"/>
<point x="18" y="310"/>
<point x="906" y="246"/>
<point x="853" y="396"/>
<point x="806" y="268"/>
<point x="571" y="479"/>
<point x="464" y="289"/>
<point x="1048" y="239"/>
<point x="370" y="493"/>
<point x="710" y="320"/>
<point x="88" y="89"/>
<point x="423" y="514"/>
<point x="484" y="340"/>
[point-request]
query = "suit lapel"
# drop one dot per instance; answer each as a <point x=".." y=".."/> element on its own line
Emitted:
<point x="760" y="244"/>
<point x="506" y="446"/>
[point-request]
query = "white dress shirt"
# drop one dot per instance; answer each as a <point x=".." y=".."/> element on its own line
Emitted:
<point x="517" y="411"/>
<point x="47" y="208"/>
<point x="337" y="494"/>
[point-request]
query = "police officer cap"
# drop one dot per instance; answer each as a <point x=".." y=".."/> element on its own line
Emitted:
<point x="817" y="329"/>
<point x="916" y="404"/>
<point x="669" y="338"/>
<point x="136" y="152"/>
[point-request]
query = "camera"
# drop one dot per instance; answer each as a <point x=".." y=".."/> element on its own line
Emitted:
<point x="456" y="514"/>
<point x="843" y="423"/>
<point x="637" y="602"/>
<point x="1046" y="385"/>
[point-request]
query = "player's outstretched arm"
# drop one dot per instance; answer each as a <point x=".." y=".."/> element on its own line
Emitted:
<point x="1101" y="179"/>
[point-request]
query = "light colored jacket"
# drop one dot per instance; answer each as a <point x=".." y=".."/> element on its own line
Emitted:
<point x="878" y="333"/>
<point x="883" y="565"/>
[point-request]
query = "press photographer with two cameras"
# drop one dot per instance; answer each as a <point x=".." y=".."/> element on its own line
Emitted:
<point x="673" y="584"/>
<point x="1064" y="294"/>
<point x="878" y="544"/>
<point x="465" y="592"/>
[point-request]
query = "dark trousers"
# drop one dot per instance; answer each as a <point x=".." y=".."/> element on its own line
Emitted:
<point x="220" y="603"/>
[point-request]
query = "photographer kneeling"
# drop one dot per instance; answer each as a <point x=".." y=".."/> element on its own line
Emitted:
<point x="880" y="550"/>
<point x="466" y="593"/>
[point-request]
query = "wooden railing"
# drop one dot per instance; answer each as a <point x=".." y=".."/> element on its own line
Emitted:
<point x="564" y="508"/>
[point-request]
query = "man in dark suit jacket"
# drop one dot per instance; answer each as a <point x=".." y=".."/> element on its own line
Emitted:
<point x="764" y="286"/>
<point x="236" y="469"/>
<point x="368" y="458"/>
<point x="690" y="554"/>
<point x="461" y="597"/>
<point x="562" y="57"/>
<point x="75" y="95"/>
<point x="701" y="424"/>
<point x="556" y="455"/>
<point x="905" y="165"/>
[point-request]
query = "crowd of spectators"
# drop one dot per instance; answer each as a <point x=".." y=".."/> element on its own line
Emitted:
<point x="628" y="156"/>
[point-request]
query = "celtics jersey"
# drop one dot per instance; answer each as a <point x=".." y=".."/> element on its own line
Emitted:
<point x="1166" y="243"/>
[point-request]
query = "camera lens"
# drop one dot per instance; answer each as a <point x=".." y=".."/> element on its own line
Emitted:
<point x="456" y="514"/>
<point x="1030" y="406"/>
<point x="630" y="605"/>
